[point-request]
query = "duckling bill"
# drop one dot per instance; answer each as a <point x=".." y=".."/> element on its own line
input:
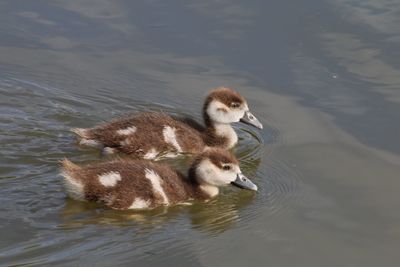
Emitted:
<point x="140" y="184"/>
<point x="155" y="135"/>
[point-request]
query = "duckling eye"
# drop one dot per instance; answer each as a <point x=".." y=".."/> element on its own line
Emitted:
<point x="226" y="167"/>
<point x="235" y="105"/>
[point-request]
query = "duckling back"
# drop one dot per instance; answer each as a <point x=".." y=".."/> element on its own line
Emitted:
<point x="123" y="184"/>
<point x="146" y="135"/>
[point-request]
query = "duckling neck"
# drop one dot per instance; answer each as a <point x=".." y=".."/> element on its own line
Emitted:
<point x="210" y="190"/>
<point x="203" y="191"/>
<point x="197" y="190"/>
<point x="220" y="135"/>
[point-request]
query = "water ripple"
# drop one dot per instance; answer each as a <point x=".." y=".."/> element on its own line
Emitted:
<point x="35" y="137"/>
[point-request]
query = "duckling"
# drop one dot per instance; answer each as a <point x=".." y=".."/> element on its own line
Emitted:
<point x="157" y="135"/>
<point x="140" y="184"/>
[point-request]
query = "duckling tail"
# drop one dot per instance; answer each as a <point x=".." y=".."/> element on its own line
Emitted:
<point x="72" y="184"/>
<point x="69" y="166"/>
<point x="84" y="133"/>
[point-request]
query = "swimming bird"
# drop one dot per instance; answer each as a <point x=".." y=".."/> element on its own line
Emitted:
<point x="140" y="184"/>
<point x="156" y="135"/>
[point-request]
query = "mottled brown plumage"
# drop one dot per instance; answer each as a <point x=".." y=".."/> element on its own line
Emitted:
<point x="148" y="135"/>
<point x="153" y="135"/>
<point x="132" y="185"/>
<point x="124" y="184"/>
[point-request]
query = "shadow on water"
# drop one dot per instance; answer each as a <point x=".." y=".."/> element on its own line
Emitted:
<point x="212" y="217"/>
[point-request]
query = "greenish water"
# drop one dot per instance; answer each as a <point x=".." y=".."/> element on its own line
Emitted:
<point x="322" y="76"/>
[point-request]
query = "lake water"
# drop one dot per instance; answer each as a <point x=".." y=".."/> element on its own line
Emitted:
<point x="323" y="77"/>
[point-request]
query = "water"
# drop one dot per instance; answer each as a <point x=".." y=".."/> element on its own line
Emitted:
<point x="323" y="77"/>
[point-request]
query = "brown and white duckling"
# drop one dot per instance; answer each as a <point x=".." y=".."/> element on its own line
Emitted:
<point x="156" y="135"/>
<point x="141" y="184"/>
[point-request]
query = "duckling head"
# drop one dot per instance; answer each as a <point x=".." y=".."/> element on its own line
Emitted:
<point x="216" y="168"/>
<point x="224" y="105"/>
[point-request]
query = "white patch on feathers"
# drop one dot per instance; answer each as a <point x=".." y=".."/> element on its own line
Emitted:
<point x="108" y="150"/>
<point x="170" y="137"/>
<point x="139" y="203"/>
<point x="73" y="187"/>
<point x="151" y="154"/>
<point x="156" y="181"/>
<point x="90" y="142"/>
<point x="170" y="155"/>
<point x="110" y="179"/>
<point x="127" y="131"/>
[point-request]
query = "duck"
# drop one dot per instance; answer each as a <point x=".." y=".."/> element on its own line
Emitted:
<point x="156" y="135"/>
<point x="127" y="183"/>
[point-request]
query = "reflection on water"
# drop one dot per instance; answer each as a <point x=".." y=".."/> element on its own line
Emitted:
<point x="364" y="61"/>
<point x="34" y="197"/>
<point x="212" y="217"/>
<point x="383" y="16"/>
<point x="321" y="76"/>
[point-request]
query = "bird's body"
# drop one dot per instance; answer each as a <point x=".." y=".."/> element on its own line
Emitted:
<point x="145" y="135"/>
<point x="136" y="184"/>
<point x="155" y="135"/>
<point x="140" y="184"/>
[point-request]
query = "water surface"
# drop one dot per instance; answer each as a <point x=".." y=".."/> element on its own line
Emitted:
<point x="323" y="77"/>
